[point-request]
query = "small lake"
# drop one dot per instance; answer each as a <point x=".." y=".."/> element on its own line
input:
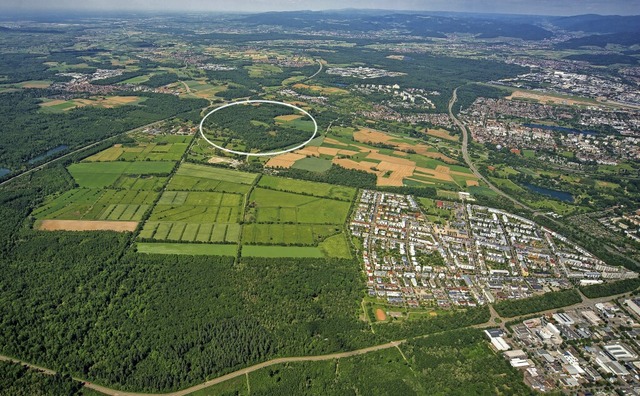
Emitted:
<point x="4" y="171"/>
<point x="48" y="154"/>
<point x="560" y="129"/>
<point x="559" y="195"/>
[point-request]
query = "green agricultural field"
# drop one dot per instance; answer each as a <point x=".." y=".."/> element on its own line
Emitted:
<point x="313" y="164"/>
<point x="336" y="246"/>
<point x="195" y="249"/>
<point x="215" y="173"/>
<point x="268" y="206"/>
<point x="308" y="188"/>
<point x="195" y="216"/>
<point x="103" y="174"/>
<point x="94" y="204"/>
<point x="281" y="251"/>
<point x="141" y="152"/>
<point x="140" y="182"/>
<point x="287" y="234"/>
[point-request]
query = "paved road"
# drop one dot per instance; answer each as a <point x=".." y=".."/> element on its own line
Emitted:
<point x="73" y="152"/>
<point x="316" y="73"/>
<point x="467" y="157"/>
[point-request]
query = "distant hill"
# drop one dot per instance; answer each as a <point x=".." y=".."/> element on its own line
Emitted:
<point x="599" y="23"/>
<point x="605" y="59"/>
<point x="422" y="24"/>
<point x="601" y="40"/>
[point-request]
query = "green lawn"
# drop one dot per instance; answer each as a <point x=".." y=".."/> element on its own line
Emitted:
<point x="195" y="249"/>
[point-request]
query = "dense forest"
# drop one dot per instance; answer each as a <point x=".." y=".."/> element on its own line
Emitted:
<point x="28" y="133"/>
<point x="256" y="127"/>
<point x="103" y="312"/>
<point x="610" y="289"/>
<point x="456" y="362"/>
<point x="552" y="300"/>
<point x="18" y="380"/>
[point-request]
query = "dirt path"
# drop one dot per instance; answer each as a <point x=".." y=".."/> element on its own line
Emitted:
<point x="586" y="302"/>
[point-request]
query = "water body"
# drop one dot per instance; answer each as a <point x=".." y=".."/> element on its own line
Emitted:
<point x="561" y="129"/>
<point x="559" y="195"/>
<point x="4" y="171"/>
<point x="49" y="153"/>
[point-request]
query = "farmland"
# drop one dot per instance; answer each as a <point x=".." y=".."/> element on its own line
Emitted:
<point x="396" y="160"/>
<point x="308" y="188"/>
<point x="270" y="206"/>
<point x="97" y="204"/>
<point x="160" y="148"/>
<point x="187" y="249"/>
<point x="58" y="106"/>
<point x="192" y="177"/>
<point x="104" y="174"/>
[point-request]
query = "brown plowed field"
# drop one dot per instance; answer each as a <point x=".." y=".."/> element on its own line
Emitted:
<point x="87" y="225"/>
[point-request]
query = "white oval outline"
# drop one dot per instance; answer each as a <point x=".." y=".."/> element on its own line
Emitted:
<point x="315" y="124"/>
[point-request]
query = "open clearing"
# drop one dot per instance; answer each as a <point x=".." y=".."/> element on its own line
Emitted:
<point x="107" y="102"/>
<point x="83" y="225"/>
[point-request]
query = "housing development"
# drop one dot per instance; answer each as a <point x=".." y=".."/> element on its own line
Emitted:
<point x="477" y="255"/>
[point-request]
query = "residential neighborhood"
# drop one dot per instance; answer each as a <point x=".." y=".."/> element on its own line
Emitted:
<point x="456" y="254"/>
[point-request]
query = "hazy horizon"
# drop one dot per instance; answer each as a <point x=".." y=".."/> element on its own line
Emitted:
<point x="540" y="7"/>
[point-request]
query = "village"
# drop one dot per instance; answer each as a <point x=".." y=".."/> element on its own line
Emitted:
<point x="461" y="254"/>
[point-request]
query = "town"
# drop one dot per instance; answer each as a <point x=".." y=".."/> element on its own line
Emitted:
<point x="454" y="254"/>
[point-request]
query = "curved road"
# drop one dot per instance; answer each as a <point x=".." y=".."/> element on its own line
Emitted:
<point x="467" y="158"/>
<point x="316" y="73"/>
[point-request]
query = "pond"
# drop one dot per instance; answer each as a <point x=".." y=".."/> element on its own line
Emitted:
<point x="49" y="153"/>
<point x="559" y="195"/>
<point x="4" y="171"/>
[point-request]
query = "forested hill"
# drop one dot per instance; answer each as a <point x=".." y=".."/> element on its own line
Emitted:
<point x="422" y="24"/>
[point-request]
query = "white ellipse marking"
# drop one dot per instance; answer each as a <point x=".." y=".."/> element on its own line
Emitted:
<point x="315" y="125"/>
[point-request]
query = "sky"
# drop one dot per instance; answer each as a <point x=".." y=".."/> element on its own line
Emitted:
<point x="538" y="7"/>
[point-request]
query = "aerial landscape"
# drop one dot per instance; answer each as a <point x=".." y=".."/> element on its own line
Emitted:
<point x="330" y="198"/>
